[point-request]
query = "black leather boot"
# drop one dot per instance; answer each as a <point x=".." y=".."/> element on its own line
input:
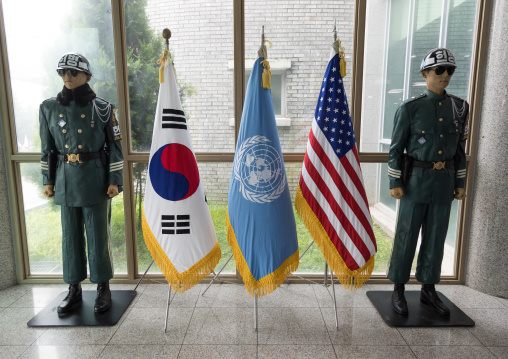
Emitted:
<point x="103" y="299"/>
<point x="429" y="296"/>
<point x="399" y="303"/>
<point x="72" y="299"/>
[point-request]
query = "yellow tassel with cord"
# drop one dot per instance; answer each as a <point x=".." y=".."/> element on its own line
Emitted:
<point x="266" y="77"/>
<point x="341" y="51"/>
<point x="162" y="62"/>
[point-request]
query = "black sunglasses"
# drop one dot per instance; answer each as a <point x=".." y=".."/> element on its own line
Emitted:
<point x="441" y="69"/>
<point x="72" y="72"/>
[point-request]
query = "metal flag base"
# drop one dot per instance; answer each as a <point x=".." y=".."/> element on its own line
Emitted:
<point x="216" y="277"/>
<point x="325" y="283"/>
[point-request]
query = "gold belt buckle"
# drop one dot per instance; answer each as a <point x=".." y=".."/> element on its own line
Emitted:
<point x="438" y="165"/>
<point x="73" y="157"/>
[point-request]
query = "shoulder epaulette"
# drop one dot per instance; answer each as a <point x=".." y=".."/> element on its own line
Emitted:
<point x="455" y="97"/>
<point x="48" y="99"/>
<point x="105" y="101"/>
<point x="414" y="98"/>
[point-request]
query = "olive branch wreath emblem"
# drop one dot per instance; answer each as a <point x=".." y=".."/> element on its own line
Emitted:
<point x="246" y="193"/>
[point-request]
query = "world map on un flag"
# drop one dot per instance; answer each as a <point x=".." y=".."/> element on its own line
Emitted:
<point x="174" y="172"/>
<point x="259" y="169"/>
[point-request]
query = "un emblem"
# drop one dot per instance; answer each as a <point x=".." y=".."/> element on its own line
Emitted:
<point x="259" y="169"/>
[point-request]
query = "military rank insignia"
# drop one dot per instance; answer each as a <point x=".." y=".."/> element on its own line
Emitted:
<point x="422" y="140"/>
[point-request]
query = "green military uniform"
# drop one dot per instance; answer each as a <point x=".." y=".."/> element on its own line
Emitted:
<point x="81" y="186"/>
<point x="430" y="128"/>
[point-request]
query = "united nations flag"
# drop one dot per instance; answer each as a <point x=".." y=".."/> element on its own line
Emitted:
<point x="261" y="224"/>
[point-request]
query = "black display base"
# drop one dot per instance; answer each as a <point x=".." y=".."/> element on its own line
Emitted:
<point x="420" y="315"/>
<point x="84" y="315"/>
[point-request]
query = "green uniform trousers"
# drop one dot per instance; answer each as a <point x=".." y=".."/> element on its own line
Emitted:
<point x="433" y="219"/>
<point x="96" y="220"/>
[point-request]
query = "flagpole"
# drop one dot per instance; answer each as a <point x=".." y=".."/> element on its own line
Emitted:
<point x="335" y="31"/>
<point x="334" y="301"/>
<point x="143" y="276"/>
<point x="255" y="311"/>
<point x="167" y="308"/>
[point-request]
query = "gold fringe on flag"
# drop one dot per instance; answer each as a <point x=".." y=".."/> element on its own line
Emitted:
<point x="268" y="283"/>
<point x="180" y="282"/>
<point x="351" y="280"/>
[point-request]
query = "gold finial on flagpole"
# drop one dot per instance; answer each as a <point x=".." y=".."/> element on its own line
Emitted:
<point x="166" y="33"/>
<point x="267" y="74"/>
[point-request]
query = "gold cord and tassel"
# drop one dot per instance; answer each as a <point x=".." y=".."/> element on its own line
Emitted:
<point x="342" y="55"/>
<point x="267" y="74"/>
<point x="162" y="62"/>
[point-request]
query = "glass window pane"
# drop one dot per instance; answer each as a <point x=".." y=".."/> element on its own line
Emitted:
<point x="215" y="178"/>
<point x="426" y="35"/>
<point x="461" y="25"/>
<point x="60" y="27"/>
<point x="202" y="45"/>
<point x="118" y="243"/>
<point x="43" y="224"/>
<point x="395" y="44"/>
<point x="302" y="36"/>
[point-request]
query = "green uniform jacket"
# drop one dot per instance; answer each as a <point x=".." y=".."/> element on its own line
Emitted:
<point x="429" y="128"/>
<point x="72" y="130"/>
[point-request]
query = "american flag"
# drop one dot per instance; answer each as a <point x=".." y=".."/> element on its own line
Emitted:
<point x="331" y="196"/>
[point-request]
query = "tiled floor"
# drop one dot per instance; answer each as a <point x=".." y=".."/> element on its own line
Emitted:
<point x="295" y="321"/>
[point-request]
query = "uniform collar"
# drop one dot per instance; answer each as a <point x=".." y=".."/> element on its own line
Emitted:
<point x="82" y="95"/>
<point x="433" y="96"/>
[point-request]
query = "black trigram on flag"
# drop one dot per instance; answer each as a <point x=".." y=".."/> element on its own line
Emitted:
<point x="179" y="224"/>
<point x="173" y="119"/>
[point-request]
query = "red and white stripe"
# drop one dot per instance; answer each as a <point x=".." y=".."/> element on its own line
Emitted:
<point x="333" y="188"/>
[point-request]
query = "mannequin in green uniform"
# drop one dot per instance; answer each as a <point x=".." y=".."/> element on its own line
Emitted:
<point x="82" y="162"/>
<point x="432" y="129"/>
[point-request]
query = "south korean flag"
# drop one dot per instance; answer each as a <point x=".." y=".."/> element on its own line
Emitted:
<point x="177" y="225"/>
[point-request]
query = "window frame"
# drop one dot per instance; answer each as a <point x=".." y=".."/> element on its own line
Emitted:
<point x="13" y="157"/>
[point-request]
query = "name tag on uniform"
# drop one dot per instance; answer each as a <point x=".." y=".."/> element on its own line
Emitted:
<point x="61" y="123"/>
<point x="422" y="140"/>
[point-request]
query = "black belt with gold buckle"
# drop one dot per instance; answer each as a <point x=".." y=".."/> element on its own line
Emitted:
<point x="78" y="157"/>
<point x="436" y="165"/>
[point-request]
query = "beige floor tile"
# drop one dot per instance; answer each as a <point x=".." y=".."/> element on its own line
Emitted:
<point x="210" y="351"/>
<point x="323" y="351"/>
<point x="438" y="336"/>
<point x="152" y="351"/>
<point x="146" y="326"/>
<point x="62" y="351"/>
<point x="221" y="326"/>
<point x="292" y="326"/>
<point x="360" y="326"/>
<point x="373" y="352"/>
<point x="452" y="352"/>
